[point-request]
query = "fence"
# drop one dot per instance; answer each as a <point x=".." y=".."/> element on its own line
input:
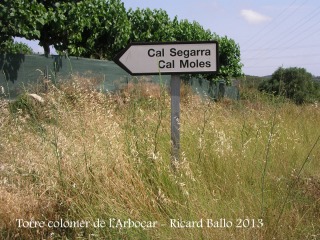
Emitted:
<point x="18" y="71"/>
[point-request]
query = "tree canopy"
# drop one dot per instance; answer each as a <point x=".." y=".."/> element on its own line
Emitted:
<point x="294" y="83"/>
<point x="80" y="26"/>
<point x="12" y="47"/>
<point x="101" y="28"/>
<point x="156" y="26"/>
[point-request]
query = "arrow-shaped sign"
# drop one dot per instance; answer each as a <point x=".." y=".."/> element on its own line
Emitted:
<point x="169" y="58"/>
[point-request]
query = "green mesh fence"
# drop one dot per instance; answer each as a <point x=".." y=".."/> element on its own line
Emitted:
<point x="19" y="71"/>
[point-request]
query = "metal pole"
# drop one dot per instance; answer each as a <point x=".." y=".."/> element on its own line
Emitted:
<point x="175" y="118"/>
<point x="46" y="80"/>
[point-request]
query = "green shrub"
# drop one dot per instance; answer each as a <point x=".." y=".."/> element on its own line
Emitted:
<point x="15" y="47"/>
<point x="294" y="83"/>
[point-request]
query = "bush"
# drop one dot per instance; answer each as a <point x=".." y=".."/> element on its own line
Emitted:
<point x="294" y="83"/>
<point x="15" y="48"/>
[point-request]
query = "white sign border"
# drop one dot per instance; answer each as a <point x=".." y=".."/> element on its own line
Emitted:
<point x="122" y="52"/>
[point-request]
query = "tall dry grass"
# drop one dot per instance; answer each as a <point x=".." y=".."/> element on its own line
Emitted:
<point x="84" y="155"/>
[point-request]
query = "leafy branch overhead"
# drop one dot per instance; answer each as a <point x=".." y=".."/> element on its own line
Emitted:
<point x="101" y="28"/>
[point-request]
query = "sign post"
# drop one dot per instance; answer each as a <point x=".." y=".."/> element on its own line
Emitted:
<point x="175" y="118"/>
<point x="173" y="58"/>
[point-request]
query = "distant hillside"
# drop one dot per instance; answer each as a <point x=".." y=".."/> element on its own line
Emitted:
<point x="266" y="77"/>
<point x="252" y="81"/>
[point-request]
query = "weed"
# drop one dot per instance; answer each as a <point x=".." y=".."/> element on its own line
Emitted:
<point x="107" y="156"/>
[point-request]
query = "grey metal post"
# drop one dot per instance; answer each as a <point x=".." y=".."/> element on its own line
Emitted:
<point x="46" y="80"/>
<point x="175" y="118"/>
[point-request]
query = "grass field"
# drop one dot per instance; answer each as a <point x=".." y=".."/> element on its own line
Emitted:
<point x="85" y="165"/>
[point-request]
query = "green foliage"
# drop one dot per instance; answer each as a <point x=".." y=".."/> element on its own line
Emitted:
<point x="21" y="18"/>
<point x="156" y="26"/>
<point x="229" y="51"/>
<point x="106" y="29"/>
<point x="187" y="31"/>
<point x="91" y="28"/>
<point x="294" y="83"/>
<point x="12" y="47"/>
<point x="229" y="60"/>
<point x="82" y="26"/>
<point x="229" y="57"/>
<point x="100" y="29"/>
<point x="150" y="25"/>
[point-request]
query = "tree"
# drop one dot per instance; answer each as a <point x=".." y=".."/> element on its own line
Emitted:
<point x="101" y="28"/>
<point x="156" y="26"/>
<point x="184" y="30"/>
<point x="150" y="25"/>
<point x="229" y="51"/>
<point x="294" y="83"/>
<point x="21" y="18"/>
<point x="105" y="32"/>
<point x="91" y="28"/>
<point x="12" y="47"/>
<point x="34" y="20"/>
<point x="229" y="58"/>
<point x="79" y="26"/>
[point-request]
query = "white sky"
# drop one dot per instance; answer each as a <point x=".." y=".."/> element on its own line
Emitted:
<point x="271" y="33"/>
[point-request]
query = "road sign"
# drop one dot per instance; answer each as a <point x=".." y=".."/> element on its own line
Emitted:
<point x="172" y="58"/>
<point x="169" y="58"/>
